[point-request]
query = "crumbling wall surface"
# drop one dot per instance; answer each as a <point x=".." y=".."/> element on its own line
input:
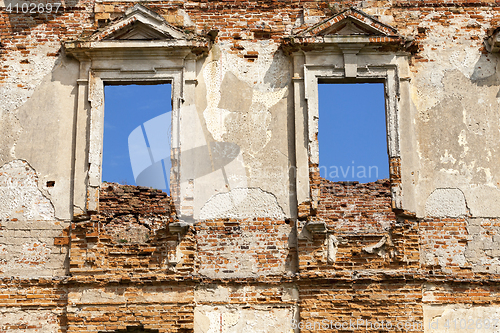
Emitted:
<point x="32" y="305"/>
<point x="127" y="269"/>
<point x="265" y="308"/>
<point x="130" y="235"/>
<point x="130" y="213"/>
<point x="361" y="232"/>
<point x="451" y="306"/>
<point x="461" y="245"/>
<point x="254" y="123"/>
<point x="360" y="304"/>
<point x="244" y="248"/>
<point x="444" y="242"/>
<point x="28" y="227"/>
<point x="455" y="82"/>
<point x="165" y="307"/>
<point x="247" y="264"/>
<point x="361" y="269"/>
<point x="38" y="92"/>
<point x="234" y="273"/>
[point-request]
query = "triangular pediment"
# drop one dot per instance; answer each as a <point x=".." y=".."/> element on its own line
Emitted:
<point x="348" y="27"/>
<point x="352" y="22"/>
<point x="139" y="29"/>
<point x="140" y="23"/>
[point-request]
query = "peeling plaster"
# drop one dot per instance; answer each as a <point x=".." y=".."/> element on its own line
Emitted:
<point x="265" y="78"/>
<point x="28" y="75"/>
<point x="483" y="248"/>
<point x="246" y="104"/>
<point x="33" y="321"/>
<point x="19" y="194"/>
<point x="436" y="316"/>
<point x="472" y="123"/>
<point x="227" y="319"/>
<point x="242" y="203"/>
<point x="446" y="202"/>
<point x="19" y="85"/>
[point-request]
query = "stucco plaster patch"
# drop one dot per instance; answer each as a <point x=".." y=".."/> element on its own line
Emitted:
<point x="242" y="203"/>
<point x="232" y="320"/>
<point x="446" y="202"/>
<point x="19" y="193"/>
<point x="457" y="318"/>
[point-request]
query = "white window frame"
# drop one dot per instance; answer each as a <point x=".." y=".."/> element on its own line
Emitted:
<point x="126" y="62"/>
<point x="345" y="63"/>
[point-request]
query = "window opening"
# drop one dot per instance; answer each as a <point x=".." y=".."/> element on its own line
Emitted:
<point x="352" y="132"/>
<point x="137" y="135"/>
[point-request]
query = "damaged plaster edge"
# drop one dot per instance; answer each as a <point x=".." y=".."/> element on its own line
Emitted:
<point x="484" y="201"/>
<point x="272" y="207"/>
<point x="43" y="191"/>
<point x="435" y="205"/>
<point x="16" y="137"/>
<point x="433" y="312"/>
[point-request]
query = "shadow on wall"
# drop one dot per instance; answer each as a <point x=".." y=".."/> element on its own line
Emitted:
<point x="485" y="73"/>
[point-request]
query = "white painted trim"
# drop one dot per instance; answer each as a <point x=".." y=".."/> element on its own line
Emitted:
<point x="177" y="68"/>
<point x="329" y="64"/>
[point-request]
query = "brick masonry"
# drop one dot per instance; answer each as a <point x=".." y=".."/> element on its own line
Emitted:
<point x="122" y="269"/>
<point x="156" y="280"/>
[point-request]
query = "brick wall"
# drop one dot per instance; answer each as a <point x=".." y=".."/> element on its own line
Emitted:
<point x="243" y="248"/>
<point x="164" y="307"/>
<point x="33" y="305"/>
<point x="127" y="270"/>
<point x="166" y="283"/>
<point x="126" y="266"/>
<point x="361" y="303"/>
<point x="130" y="235"/>
<point x="365" y="232"/>
<point x="129" y="214"/>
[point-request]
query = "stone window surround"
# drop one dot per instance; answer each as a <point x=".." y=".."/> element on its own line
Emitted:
<point x="131" y="62"/>
<point x="344" y="63"/>
<point x="331" y="64"/>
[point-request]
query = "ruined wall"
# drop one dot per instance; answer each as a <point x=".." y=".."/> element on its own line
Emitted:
<point x="170" y="283"/>
<point x="361" y="232"/>
<point x="253" y="257"/>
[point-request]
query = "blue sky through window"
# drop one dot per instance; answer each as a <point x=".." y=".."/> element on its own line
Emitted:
<point x="352" y="132"/>
<point x="137" y="115"/>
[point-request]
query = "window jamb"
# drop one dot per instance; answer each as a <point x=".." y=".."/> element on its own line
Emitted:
<point x="312" y="67"/>
<point x="176" y="67"/>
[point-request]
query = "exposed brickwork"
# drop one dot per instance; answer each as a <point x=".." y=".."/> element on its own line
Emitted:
<point x="354" y="207"/>
<point x="394" y="301"/>
<point x="30" y="305"/>
<point x="235" y="248"/>
<point x="128" y="248"/>
<point x="359" y="216"/>
<point x="166" y="308"/>
<point x="126" y="268"/>
<point x="462" y="292"/>
<point x="130" y="214"/>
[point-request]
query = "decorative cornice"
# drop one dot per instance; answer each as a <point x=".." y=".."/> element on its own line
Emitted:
<point x="351" y="26"/>
<point x="140" y="32"/>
